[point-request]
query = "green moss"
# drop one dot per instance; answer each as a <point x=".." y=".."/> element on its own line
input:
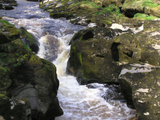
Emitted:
<point x="144" y="16"/>
<point x="58" y="15"/>
<point x="110" y="9"/>
<point x="86" y="3"/>
<point x="139" y="4"/>
<point x="26" y="47"/>
<point x="4" y="22"/>
<point x="149" y="4"/>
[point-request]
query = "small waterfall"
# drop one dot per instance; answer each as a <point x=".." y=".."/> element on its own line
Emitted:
<point x="77" y="101"/>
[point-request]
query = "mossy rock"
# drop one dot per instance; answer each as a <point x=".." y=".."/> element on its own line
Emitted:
<point x="151" y="25"/>
<point x="9" y="30"/>
<point x="60" y="14"/>
<point x="147" y="41"/>
<point x="5" y="81"/>
<point x="17" y="108"/>
<point x="96" y="32"/>
<point x="155" y="11"/>
<point x="89" y="63"/>
<point x="4" y="100"/>
<point x="29" y="40"/>
<point x="140" y="86"/>
<point x="144" y="16"/>
<point x="83" y="35"/>
<point x="131" y="7"/>
<point x="19" y="66"/>
<point x="4" y="39"/>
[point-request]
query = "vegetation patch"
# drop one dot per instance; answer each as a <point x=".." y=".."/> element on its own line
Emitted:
<point x="86" y="3"/>
<point x="144" y="17"/>
<point x="110" y="9"/>
<point x="4" y="22"/>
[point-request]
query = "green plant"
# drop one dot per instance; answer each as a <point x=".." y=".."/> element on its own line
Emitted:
<point x="26" y="47"/>
<point x="145" y="16"/>
<point x="88" y="3"/>
<point x="5" y="22"/>
<point x="17" y="64"/>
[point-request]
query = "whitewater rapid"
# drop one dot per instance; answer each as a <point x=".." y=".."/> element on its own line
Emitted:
<point x="77" y="101"/>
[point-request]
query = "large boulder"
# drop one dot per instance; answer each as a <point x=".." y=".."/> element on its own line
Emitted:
<point x="10" y="4"/>
<point x="94" y="55"/>
<point x="28" y="83"/>
<point x="130" y="8"/>
<point x="140" y="82"/>
<point x="140" y="86"/>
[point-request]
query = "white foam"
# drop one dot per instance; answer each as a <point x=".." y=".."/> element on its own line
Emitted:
<point x="119" y="26"/>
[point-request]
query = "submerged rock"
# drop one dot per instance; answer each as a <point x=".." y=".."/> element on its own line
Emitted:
<point x="8" y="7"/>
<point x="28" y="81"/>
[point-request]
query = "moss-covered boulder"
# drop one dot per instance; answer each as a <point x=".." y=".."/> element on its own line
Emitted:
<point x="23" y="75"/>
<point x="140" y="86"/>
<point x="98" y="53"/>
<point x="155" y="11"/>
<point x="15" y="109"/>
<point x="131" y="7"/>
<point x="9" y="30"/>
<point x="94" y="55"/>
<point x="29" y="40"/>
<point x="10" y="4"/>
<point x="92" y="61"/>
<point x="143" y="17"/>
<point x="150" y="25"/>
<point x="4" y="39"/>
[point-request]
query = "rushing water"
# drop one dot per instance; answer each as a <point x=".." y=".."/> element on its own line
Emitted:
<point x="77" y="101"/>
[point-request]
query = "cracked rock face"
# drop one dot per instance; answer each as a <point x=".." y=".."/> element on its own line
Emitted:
<point x="140" y="85"/>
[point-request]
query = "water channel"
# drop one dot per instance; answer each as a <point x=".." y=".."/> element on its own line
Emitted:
<point x="77" y="101"/>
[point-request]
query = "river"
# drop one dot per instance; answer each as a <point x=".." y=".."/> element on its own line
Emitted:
<point x="77" y="101"/>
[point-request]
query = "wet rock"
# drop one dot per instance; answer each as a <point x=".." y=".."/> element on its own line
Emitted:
<point x="32" y="16"/>
<point x="4" y="39"/>
<point x="8" y="7"/>
<point x="29" y="40"/>
<point x="97" y="32"/>
<point x="28" y="81"/>
<point x="9" y="30"/>
<point x="1" y="6"/>
<point x="91" y="56"/>
<point x="140" y="86"/>
<point x="51" y="44"/>
<point x="9" y="1"/>
<point x="151" y="24"/>
<point x="18" y="109"/>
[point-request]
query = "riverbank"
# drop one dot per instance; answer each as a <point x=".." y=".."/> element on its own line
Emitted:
<point x="103" y="13"/>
